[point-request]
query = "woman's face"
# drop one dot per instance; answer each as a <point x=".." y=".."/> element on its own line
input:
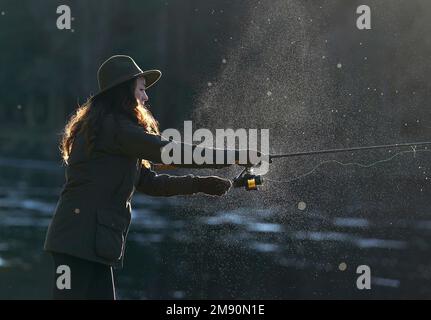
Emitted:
<point x="140" y="94"/>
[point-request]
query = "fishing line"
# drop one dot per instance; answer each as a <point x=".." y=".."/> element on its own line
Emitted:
<point x="361" y="165"/>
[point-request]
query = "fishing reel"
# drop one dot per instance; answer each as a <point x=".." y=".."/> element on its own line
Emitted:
<point x="247" y="179"/>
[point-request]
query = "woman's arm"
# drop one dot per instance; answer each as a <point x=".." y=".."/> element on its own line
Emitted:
<point x="134" y="141"/>
<point x="166" y="185"/>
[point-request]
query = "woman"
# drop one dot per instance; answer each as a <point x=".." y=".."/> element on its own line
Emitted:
<point x="106" y="146"/>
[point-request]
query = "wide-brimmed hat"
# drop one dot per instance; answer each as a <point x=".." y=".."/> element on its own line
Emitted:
<point x="121" y="68"/>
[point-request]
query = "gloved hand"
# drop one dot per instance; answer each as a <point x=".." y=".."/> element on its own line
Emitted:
<point x="212" y="185"/>
<point x="254" y="157"/>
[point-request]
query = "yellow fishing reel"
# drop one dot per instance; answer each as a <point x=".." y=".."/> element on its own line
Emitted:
<point x="246" y="179"/>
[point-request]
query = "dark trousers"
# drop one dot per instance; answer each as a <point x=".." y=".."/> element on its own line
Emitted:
<point x="76" y="278"/>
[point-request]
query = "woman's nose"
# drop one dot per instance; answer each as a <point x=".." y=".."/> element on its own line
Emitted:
<point x="144" y="96"/>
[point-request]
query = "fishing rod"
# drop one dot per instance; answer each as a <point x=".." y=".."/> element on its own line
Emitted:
<point x="384" y="146"/>
<point x="246" y="179"/>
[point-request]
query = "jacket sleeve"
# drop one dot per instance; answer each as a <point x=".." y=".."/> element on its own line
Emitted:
<point x="134" y="141"/>
<point x="166" y="185"/>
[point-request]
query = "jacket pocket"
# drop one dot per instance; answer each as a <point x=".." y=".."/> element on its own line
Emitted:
<point x="110" y="230"/>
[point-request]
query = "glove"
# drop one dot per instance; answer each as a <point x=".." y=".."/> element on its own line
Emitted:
<point x="254" y="157"/>
<point x="212" y="185"/>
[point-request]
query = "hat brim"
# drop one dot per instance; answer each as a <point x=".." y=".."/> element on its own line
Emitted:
<point x="151" y="77"/>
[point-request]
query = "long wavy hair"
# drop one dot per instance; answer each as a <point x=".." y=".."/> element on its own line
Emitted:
<point x="88" y="117"/>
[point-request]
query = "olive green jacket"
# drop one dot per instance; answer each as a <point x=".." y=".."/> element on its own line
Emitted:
<point x="93" y="214"/>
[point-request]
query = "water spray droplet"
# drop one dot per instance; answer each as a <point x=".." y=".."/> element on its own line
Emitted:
<point x="342" y="266"/>
<point x="339" y="65"/>
<point x="302" y="205"/>
<point x="210" y="84"/>
<point x="269" y="93"/>
<point x="223" y="60"/>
